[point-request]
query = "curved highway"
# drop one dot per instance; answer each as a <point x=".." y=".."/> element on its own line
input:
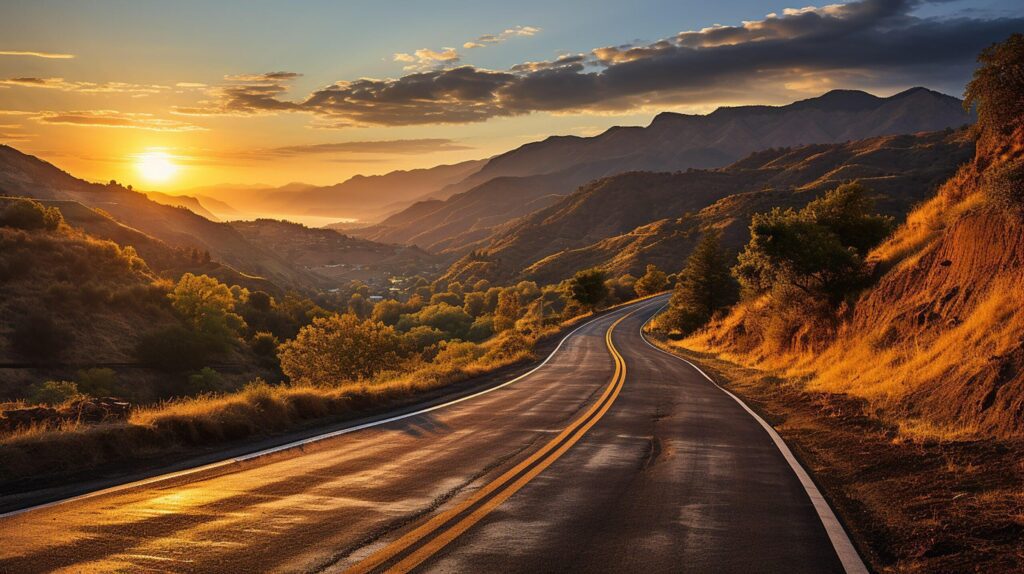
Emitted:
<point x="611" y="457"/>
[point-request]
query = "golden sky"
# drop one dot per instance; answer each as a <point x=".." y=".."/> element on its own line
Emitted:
<point x="170" y="96"/>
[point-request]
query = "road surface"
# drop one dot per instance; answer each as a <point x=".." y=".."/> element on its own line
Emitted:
<point x="611" y="457"/>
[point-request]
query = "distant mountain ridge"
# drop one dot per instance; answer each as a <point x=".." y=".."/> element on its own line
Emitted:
<point x="671" y="142"/>
<point x="622" y="222"/>
<point x="128" y="217"/>
<point x="361" y="197"/>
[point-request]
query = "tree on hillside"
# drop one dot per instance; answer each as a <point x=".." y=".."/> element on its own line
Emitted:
<point x="587" y="287"/>
<point x="208" y="306"/>
<point x="653" y="281"/>
<point x="998" y="92"/>
<point x="997" y="89"/>
<point x="703" y="288"/>
<point x="621" y="288"/>
<point x="473" y="304"/>
<point x="452" y="320"/>
<point x="30" y="214"/>
<point x="339" y="348"/>
<point x="359" y="306"/>
<point x="387" y="312"/>
<point x="818" y="250"/>
<point x="507" y="310"/>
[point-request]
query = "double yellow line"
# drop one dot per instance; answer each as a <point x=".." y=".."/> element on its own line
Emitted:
<point x="442" y="529"/>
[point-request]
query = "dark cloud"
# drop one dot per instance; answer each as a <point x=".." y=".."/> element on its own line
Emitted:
<point x="878" y="41"/>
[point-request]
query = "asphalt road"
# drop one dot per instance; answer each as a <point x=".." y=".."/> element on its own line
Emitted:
<point x="612" y="457"/>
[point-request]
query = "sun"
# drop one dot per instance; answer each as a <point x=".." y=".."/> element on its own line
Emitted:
<point x="156" y="166"/>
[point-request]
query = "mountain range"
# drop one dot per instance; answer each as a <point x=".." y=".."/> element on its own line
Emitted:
<point x="624" y="222"/>
<point x="538" y="174"/>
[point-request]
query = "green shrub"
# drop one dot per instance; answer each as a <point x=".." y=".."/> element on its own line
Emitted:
<point x="98" y="382"/>
<point x="481" y="329"/>
<point x="206" y="380"/>
<point x="264" y="344"/>
<point x="587" y="288"/>
<point x="55" y="392"/>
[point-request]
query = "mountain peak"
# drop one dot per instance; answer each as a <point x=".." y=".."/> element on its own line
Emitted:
<point x="838" y="101"/>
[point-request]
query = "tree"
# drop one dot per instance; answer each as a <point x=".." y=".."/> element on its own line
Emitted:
<point x="387" y="312"/>
<point x="339" y="348"/>
<point x="997" y="89"/>
<point x="653" y="281"/>
<point x="260" y="301"/>
<point x="359" y="306"/>
<point x="208" y="306"/>
<point x="264" y="344"/>
<point x="703" y="287"/>
<point x="528" y="291"/>
<point x="621" y="288"/>
<point x="55" y="392"/>
<point x="818" y="250"/>
<point x="453" y="299"/>
<point x="507" y="310"/>
<point x="587" y="287"/>
<point x="474" y="304"/>
<point x="30" y="214"/>
<point x="97" y="382"/>
<point x="448" y="318"/>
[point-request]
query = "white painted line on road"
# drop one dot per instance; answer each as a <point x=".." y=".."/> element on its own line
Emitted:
<point x="307" y="441"/>
<point x="848" y="555"/>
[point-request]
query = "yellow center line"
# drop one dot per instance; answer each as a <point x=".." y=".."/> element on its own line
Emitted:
<point x="580" y="426"/>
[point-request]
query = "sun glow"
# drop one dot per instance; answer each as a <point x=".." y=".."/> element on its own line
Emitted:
<point x="156" y="166"/>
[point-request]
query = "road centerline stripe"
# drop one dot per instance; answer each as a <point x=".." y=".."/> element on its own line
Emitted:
<point x="493" y="494"/>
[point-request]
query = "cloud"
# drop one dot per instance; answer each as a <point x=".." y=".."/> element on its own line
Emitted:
<point x="874" y="42"/>
<point x="507" y="34"/>
<point x="114" y="119"/>
<point x="425" y="58"/>
<point x="46" y="55"/>
<point x="84" y="87"/>
<point x="268" y="77"/>
<point x="245" y="94"/>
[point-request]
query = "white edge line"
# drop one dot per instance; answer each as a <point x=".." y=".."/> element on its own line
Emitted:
<point x="848" y="555"/>
<point x="303" y="442"/>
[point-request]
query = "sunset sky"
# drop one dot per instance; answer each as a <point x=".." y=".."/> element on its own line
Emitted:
<point x="172" y="95"/>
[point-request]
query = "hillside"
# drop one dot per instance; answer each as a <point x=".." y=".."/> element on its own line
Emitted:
<point x="936" y="344"/>
<point x="623" y="222"/>
<point x="558" y="165"/>
<point x="128" y="217"/>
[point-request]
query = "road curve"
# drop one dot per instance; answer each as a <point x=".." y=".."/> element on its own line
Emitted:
<point x="612" y="457"/>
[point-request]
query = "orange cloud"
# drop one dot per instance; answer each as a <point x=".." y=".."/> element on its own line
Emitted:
<point x="115" y="119"/>
<point x="47" y="55"/>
